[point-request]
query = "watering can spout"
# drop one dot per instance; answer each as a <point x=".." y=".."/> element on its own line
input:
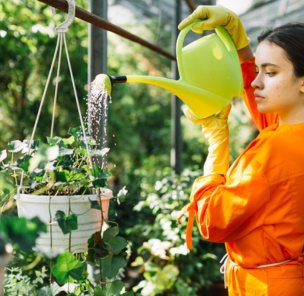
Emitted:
<point x="107" y="82"/>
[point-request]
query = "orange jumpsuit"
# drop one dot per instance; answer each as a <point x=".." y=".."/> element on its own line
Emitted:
<point x="258" y="209"/>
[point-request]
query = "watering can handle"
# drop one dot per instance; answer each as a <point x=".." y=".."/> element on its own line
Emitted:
<point x="222" y="33"/>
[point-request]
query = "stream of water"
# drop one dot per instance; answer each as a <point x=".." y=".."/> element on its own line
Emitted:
<point x="97" y="116"/>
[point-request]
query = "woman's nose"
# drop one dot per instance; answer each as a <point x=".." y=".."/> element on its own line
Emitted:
<point x="257" y="83"/>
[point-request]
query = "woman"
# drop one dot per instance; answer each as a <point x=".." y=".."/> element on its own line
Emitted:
<point x="257" y="206"/>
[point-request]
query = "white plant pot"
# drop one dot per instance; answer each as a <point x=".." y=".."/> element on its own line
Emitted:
<point x="89" y="220"/>
<point x="4" y="261"/>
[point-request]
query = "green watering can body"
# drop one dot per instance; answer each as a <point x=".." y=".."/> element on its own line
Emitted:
<point x="210" y="73"/>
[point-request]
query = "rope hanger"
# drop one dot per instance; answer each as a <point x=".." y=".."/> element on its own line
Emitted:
<point x="61" y="30"/>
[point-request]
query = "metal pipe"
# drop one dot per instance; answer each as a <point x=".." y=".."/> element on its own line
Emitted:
<point x="103" y="24"/>
<point x="176" y="129"/>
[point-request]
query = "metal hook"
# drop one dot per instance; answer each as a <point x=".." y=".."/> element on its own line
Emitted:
<point x="71" y="15"/>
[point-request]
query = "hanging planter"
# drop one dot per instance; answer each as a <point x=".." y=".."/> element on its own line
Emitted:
<point x="56" y="183"/>
<point x="59" y="239"/>
<point x="62" y="182"/>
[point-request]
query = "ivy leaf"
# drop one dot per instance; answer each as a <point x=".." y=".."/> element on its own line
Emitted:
<point x="99" y="292"/>
<point x="65" y="151"/>
<point x="96" y="170"/>
<point x="111" y="265"/>
<point x="3" y="155"/>
<point x="56" y="141"/>
<point x="76" y="132"/>
<point x="15" y="146"/>
<point x="96" y="247"/>
<point x="110" y="233"/>
<point x="76" y="176"/>
<point x="62" y="176"/>
<point x="24" y="162"/>
<point x="44" y="154"/>
<point x="66" y="223"/>
<point x="37" y="174"/>
<point x="95" y="205"/>
<point x="99" y="183"/>
<point x="34" y="146"/>
<point x="114" y="288"/>
<point x="68" y="141"/>
<point x="121" y="196"/>
<point x="130" y="293"/>
<point x="82" y="151"/>
<point x="67" y="268"/>
<point x="6" y="186"/>
<point x="117" y="243"/>
<point x="99" y="173"/>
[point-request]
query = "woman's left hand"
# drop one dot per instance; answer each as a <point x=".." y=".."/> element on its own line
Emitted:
<point x="215" y="15"/>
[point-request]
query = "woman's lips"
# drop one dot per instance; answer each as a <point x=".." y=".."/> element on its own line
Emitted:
<point x="258" y="97"/>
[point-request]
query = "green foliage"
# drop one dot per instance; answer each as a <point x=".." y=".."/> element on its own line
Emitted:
<point x="111" y="265"/>
<point x="20" y="231"/>
<point x="117" y="243"/>
<point x="17" y="283"/>
<point x="61" y="167"/>
<point x="28" y="42"/>
<point x="66" y="223"/>
<point x="67" y="268"/>
<point x="167" y="267"/>
<point x="139" y="129"/>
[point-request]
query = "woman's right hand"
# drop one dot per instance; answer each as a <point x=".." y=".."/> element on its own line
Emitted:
<point x="213" y="16"/>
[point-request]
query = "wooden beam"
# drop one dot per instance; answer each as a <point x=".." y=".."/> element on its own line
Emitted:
<point x="190" y="5"/>
<point x="103" y="24"/>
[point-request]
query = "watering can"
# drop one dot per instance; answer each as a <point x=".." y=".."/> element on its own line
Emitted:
<point x="210" y="73"/>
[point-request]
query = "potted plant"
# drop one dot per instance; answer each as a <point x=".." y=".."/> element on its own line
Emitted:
<point x="58" y="183"/>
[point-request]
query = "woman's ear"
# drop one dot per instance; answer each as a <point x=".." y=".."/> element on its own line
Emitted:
<point x="302" y="85"/>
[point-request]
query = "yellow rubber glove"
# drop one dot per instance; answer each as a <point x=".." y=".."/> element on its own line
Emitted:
<point x="217" y="15"/>
<point x="215" y="129"/>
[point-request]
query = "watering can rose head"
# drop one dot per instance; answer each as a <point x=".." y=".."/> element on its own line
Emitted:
<point x="210" y="73"/>
<point x="61" y="167"/>
<point x="104" y="82"/>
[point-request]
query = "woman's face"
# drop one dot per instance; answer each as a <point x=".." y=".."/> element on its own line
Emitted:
<point x="277" y="89"/>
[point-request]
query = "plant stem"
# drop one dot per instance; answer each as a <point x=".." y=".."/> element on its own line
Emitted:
<point x="70" y="235"/>
<point x="51" y="266"/>
<point x="50" y="221"/>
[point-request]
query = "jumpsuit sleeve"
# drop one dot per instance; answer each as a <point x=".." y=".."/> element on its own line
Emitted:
<point x="225" y="209"/>
<point x="261" y="120"/>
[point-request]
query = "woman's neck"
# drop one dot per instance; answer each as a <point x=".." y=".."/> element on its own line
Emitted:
<point x="293" y="117"/>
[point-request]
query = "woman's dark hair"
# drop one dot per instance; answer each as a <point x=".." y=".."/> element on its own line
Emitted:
<point x="290" y="37"/>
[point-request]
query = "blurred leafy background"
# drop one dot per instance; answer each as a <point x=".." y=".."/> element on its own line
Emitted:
<point x="139" y="129"/>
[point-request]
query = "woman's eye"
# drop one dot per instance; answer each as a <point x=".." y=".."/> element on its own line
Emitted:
<point x="270" y="73"/>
